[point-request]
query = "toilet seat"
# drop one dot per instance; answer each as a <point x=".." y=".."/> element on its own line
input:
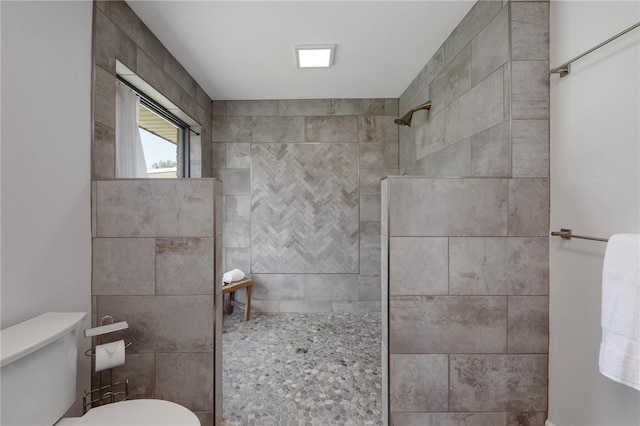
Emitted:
<point x="139" y="412"/>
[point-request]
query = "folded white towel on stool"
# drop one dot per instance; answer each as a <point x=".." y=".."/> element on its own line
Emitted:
<point x="231" y="276"/>
<point x="620" y="347"/>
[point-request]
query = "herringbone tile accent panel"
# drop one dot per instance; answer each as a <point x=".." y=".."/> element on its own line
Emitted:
<point x="304" y="208"/>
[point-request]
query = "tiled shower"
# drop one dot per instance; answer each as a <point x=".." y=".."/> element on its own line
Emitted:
<point x="477" y="272"/>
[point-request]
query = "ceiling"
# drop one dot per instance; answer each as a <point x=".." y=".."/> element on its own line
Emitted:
<point x="244" y="50"/>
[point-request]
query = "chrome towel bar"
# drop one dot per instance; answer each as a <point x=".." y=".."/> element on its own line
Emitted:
<point x="565" y="69"/>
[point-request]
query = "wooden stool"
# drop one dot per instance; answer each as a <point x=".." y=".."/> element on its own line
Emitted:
<point x="231" y="288"/>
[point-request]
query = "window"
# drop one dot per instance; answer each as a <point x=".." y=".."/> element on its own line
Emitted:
<point x="170" y="138"/>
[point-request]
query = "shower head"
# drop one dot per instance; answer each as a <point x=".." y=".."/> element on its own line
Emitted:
<point x="406" y="119"/>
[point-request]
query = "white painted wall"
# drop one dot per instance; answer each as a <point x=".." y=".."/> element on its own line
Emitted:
<point x="595" y="190"/>
<point x="45" y="163"/>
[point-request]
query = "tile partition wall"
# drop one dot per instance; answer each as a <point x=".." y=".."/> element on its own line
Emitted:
<point x="138" y="251"/>
<point x="302" y="198"/>
<point x="465" y="260"/>
<point x="156" y="259"/>
<point x="120" y="35"/>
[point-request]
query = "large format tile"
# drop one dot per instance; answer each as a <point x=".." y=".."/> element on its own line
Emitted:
<point x="503" y="266"/>
<point x="491" y="151"/>
<point x="530" y="89"/>
<point x="449" y="419"/>
<point x="377" y="129"/>
<point x="481" y="13"/>
<point x="370" y="179"/>
<point x="430" y="137"/>
<point x="418" y="266"/>
<point x="452" y="82"/>
<point x="123" y="266"/>
<point x="235" y="181"/>
<point x="278" y="286"/>
<point x="278" y="129"/>
<point x="155" y="208"/>
<point x="252" y="108"/>
<point x="476" y="110"/>
<point x="530" y="30"/>
<point x="357" y="106"/>
<point x="498" y="383"/>
<point x="236" y="234"/>
<point x="331" y="129"/>
<point x="530" y="147"/>
<point x="139" y="369"/>
<point x="330" y="286"/>
<point x="448" y="324"/>
<point x="528" y="324"/>
<point x="231" y="129"/>
<point x="448" y="207"/>
<point x="186" y="379"/>
<point x="529" y="207"/>
<point x="304" y="107"/>
<point x="184" y="266"/>
<point x="490" y="48"/>
<point x="237" y="155"/>
<point x="163" y="323"/>
<point x="237" y="207"/>
<point x="418" y="382"/>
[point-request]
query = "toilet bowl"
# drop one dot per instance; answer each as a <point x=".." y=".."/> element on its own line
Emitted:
<point x="136" y="412"/>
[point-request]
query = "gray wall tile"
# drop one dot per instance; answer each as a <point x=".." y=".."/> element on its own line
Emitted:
<point x="526" y="419"/>
<point x="476" y="19"/>
<point x="231" y="129"/>
<point x="184" y="265"/>
<point x="105" y="98"/>
<point x="331" y="129"/>
<point x="104" y="149"/>
<point x="530" y="148"/>
<point x="372" y="156"/>
<point x="186" y="379"/>
<point x="370" y="179"/>
<point x="442" y="207"/>
<point x="452" y="82"/>
<point x="278" y="286"/>
<point x="123" y="266"/>
<point x="163" y="323"/>
<point x="237" y="257"/>
<point x="235" y="181"/>
<point x="448" y="324"/>
<point x="140" y="370"/>
<point x="370" y="208"/>
<point x="430" y="137"/>
<point x="499" y="266"/>
<point x="357" y="106"/>
<point x="369" y="288"/>
<point x="219" y="155"/>
<point x="278" y="129"/>
<point x="528" y="324"/>
<point x="490" y="48"/>
<point x="236" y="234"/>
<point x="477" y="110"/>
<point x="141" y="208"/>
<point x="377" y="129"/>
<point x="237" y="207"/>
<point x="452" y="161"/>
<point x="491" y="151"/>
<point x="252" y="108"/>
<point x="265" y="306"/>
<point x="304" y="107"/>
<point x="449" y="419"/>
<point x="529" y="207"/>
<point x="530" y="30"/>
<point x="498" y="383"/>
<point x="331" y="287"/>
<point x="238" y="155"/>
<point x="418" y="382"/>
<point x="391" y="106"/>
<point x="418" y="266"/>
<point x="530" y="89"/>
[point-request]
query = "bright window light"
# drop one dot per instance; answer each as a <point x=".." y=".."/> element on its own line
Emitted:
<point x="315" y="56"/>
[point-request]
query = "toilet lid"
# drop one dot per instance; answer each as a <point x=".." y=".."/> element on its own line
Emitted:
<point x="139" y="412"/>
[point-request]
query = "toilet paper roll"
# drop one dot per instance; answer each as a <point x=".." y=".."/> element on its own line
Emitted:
<point x="109" y="355"/>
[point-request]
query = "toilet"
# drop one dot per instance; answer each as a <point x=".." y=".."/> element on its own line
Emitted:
<point x="38" y="376"/>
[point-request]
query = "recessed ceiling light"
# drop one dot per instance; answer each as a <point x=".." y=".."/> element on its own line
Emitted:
<point x="315" y="55"/>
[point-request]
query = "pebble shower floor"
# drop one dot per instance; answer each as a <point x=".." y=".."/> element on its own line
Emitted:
<point x="302" y="369"/>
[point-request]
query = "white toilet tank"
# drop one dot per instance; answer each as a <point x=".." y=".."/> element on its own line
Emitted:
<point x="38" y="370"/>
